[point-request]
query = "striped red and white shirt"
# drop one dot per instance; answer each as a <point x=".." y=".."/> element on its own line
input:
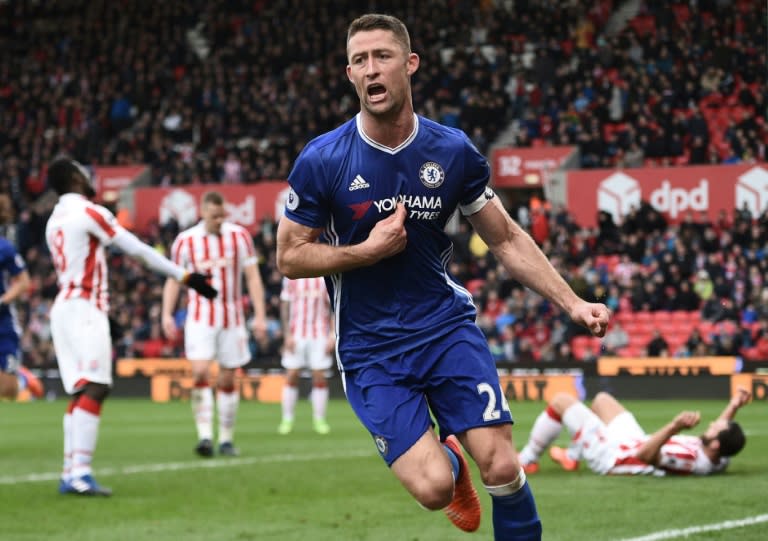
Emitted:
<point x="680" y="455"/>
<point x="223" y="257"/>
<point x="310" y="308"/>
<point x="76" y="234"/>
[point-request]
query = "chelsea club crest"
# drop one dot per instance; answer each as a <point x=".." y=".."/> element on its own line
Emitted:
<point x="431" y="175"/>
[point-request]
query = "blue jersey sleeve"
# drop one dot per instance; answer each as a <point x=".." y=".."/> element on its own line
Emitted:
<point x="307" y="203"/>
<point x="477" y="172"/>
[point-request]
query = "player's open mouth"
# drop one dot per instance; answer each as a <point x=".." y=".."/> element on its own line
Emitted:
<point x="376" y="92"/>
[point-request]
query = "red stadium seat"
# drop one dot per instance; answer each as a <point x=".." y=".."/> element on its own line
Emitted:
<point x="684" y="315"/>
<point x="474" y="286"/>
<point x="643" y="315"/>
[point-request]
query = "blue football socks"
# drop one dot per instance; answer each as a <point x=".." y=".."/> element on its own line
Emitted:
<point x="454" y="461"/>
<point x="514" y="516"/>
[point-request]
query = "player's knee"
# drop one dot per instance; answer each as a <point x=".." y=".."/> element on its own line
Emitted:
<point x="200" y="378"/>
<point x="292" y="378"/>
<point x="96" y="391"/>
<point x="226" y="378"/>
<point x="8" y="386"/>
<point x="433" y="488"/>
<point x="601" y="399"/>
<point x="503" y="469"/>
<point x="561" y="402"/>
<point x="435" y="493"/>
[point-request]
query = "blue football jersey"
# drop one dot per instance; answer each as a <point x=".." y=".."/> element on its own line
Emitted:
<point x="11" y="264"/>
<point x="345" y="183"/>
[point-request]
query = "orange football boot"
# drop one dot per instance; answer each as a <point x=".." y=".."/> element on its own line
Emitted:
<point x="464" y="510"/>
<point x="560" y="456"/>
<point x="34" y="384"/>
<point x="531" y="468"/>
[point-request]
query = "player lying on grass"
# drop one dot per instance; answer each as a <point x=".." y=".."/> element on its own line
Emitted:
<point x="611" y="441"/>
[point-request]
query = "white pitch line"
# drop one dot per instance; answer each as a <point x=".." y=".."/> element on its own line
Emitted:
<point x="685" y="532"/>
<point x="190" y="465"/>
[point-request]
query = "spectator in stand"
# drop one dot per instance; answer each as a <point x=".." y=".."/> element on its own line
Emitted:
<point x="727" y="340"/>
<point x="719" y="309"/>
<point x="686" y="298"/>
<point x="704" y="287"/>
<point x="657" y="346"/>
<point x="615" y="339"/>
<point x="564" y="353"/>
<point x="695" y="341"/>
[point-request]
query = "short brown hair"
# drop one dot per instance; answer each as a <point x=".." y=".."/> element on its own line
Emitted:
<point x="212" y="197"/>
<point x="379" y="21"/>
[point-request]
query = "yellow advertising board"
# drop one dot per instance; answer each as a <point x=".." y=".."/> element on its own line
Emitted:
<point x="667" y="366"/>
<point x="171" y="379"/>
<point x="521" y="388"/>
<point x="756" y="383"/>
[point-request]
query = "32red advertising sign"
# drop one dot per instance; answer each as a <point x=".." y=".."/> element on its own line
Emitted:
<point x="526" y="167"/>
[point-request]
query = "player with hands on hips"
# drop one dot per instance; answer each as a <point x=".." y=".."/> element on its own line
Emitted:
<point x="215" y="330"/>
<point x="77" y="233"/>
<point x="367" y="209"/>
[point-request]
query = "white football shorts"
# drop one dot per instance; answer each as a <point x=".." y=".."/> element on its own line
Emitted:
<point x="82" y="342"/>
<point x="595" y="442"/>
<point x="228" y="346"/>
<point x="308" y="353"/>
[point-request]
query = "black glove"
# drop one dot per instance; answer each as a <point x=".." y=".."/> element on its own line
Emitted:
<point x="199" y="282"/>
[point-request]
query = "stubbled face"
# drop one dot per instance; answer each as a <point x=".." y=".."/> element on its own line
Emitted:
<point x="380" y="69"/>
<point x="213" y="216"/>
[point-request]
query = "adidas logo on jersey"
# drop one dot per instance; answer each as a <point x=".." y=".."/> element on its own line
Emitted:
<point x="358" y="184"/>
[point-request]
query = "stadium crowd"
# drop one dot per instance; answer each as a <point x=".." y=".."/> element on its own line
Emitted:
<point x="228" y="91"/>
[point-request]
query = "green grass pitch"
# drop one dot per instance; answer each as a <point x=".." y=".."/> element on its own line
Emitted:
<point x="335" y="488"/>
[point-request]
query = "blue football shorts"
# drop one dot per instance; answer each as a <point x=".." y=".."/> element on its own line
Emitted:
<point x="452" y="379"/>
<point x="9" y="353"/>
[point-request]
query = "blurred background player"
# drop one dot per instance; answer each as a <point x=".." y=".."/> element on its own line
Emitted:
<point x="214" y="330"/>
<point x="14" y="282"/>
<point x="611" y="441"/>
<point x="309" y="340"/>
<point x="77" y="233"/>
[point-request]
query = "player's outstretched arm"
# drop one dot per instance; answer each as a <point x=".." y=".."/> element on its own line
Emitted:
<point x="299" y="255"/>
<point x="737" y="401"/>
<point x="649" y="451"/>
<point x="151" y="258"/>
<point x="527" y="264"/>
